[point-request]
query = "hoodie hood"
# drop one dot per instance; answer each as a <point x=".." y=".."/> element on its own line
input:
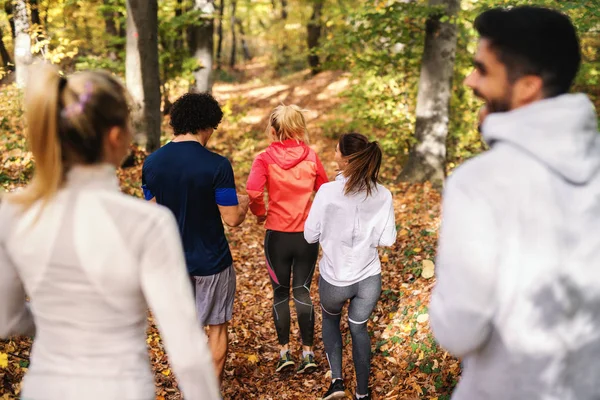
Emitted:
<point x="561" y="132"/>
<point x="288" y="153"/>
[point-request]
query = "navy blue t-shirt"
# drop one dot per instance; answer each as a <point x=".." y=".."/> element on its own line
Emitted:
<point x="191" y="181"/>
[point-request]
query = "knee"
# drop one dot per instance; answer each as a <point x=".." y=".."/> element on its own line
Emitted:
<point x="281" y="293"/>
<point x="302" y="295"/>
<point x="357" y="327"/>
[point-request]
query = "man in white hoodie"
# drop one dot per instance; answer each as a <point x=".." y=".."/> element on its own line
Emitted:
<point x="518" y="286"/>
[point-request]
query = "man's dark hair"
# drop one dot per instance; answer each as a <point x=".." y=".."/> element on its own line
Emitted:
<point x="533" y="41"/>
<point x="194" y="112"/>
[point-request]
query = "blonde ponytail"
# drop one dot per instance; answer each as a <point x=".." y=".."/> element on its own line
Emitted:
<point x="67" y="121"/>
<point x="42" y="109"/>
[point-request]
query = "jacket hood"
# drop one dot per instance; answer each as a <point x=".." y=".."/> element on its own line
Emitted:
<point x="288" y="153"/>
<point x="561" y="132"/>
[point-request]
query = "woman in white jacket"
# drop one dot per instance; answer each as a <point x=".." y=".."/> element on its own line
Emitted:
<point x="90" y="259"/>
<point x="351" y="217"/>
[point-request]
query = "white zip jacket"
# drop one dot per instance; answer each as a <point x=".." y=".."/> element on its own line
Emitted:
<point x="349" y="229"/>
<point x="92" y="264"/>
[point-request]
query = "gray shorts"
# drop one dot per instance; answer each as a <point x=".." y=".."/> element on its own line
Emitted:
<point x="214" y="296"/>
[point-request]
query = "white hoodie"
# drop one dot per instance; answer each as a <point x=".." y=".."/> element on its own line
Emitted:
<point x="350" y="228"/>
<point x="518" y="287"/>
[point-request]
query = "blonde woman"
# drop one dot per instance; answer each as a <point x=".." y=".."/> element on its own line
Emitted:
<point x="291" y="172"/>
<point x="90" y="259"/>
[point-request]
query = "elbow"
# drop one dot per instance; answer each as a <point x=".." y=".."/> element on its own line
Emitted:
<point x="311" y="236"/>
<point x="388" y="241"/>
<point x="234" y="222"/>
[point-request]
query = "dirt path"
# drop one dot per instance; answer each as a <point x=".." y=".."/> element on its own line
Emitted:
<point x="406" y="365"/>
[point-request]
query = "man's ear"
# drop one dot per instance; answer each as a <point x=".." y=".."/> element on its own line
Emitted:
<point x="527" y="89"/>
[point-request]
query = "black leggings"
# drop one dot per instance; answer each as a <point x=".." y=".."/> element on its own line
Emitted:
<point x="287" y="254"/>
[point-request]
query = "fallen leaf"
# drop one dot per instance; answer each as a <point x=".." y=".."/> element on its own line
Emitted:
<point x="166" y="372"/>
<point x="3" y="360"/>
<point x="422" y="318"/>
<point x="428" y="269"/>
<point x="385" y="258"/>
<point x="253" y="359"/>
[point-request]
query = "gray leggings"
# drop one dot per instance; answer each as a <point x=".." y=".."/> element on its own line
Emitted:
<point x="363" y="296"/>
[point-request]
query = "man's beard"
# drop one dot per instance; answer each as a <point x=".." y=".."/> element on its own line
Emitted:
<point x="497" y="105"/>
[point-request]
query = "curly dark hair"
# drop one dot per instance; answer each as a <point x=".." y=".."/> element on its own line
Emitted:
<point x="195" y="112"/>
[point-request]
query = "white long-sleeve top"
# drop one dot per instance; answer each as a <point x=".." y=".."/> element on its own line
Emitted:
<point x="349" y="229"/>
<point x="92" y="263"/>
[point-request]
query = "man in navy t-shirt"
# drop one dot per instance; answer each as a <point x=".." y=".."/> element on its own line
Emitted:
<point x="198" y="186"/>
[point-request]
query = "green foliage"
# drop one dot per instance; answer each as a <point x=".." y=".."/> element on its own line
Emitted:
<point x="174" y="55"/>
<point x="381" y="43"/>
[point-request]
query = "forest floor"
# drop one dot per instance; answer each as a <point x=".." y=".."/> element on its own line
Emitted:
<point x="406" y="363"/>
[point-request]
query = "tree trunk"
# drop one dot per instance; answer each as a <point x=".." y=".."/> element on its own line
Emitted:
<point x="245" y="48"/>
<point x="314" y="34"/>
<point x="178" y="13"/>
<point x="141" y="68"/>
<point x="46" y="18"/>
<point x="35" y="12"/>
<point x="110" y="23"/>
<point x="109" y="18"/>
<point x="6" y="60"/>
<point x="8" y="8"/>
<point x="285" y="56"/>
<point x="233" y="38"/>
<point x="23" y="57"/>
<point x="204" y="46"/>
<point x="220" y="34"/>
<point x="427" y="159"/>
<point x="34" y="6"/>
<point x="122" y="24"/>
<point x="284" y="13"/>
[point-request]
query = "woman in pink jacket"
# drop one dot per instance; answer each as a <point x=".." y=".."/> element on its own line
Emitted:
<point x="291" y="172"/>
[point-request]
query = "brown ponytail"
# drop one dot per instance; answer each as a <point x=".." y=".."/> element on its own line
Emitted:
<point x="67" y="119"/>
<point x="364" y="161"/>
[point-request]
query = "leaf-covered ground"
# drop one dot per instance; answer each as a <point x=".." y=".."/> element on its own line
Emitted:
<point x="406" y="364"/>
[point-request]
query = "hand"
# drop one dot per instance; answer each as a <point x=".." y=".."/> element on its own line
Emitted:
<point x="261" y="219"/>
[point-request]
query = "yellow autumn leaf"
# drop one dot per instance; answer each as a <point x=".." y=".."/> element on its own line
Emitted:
<point x="3" y="360"/>
<point x="253" y="359"/>
<point x="421" y="355"/>
<point x="422" y="318"/>
<point x="417" y="249"/>
<point x="166" y="372"/>
<point x="385" y="258"/>
<point x="428" y="269"/>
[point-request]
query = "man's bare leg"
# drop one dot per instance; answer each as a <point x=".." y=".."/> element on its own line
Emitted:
<point x="218" y="343"/>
